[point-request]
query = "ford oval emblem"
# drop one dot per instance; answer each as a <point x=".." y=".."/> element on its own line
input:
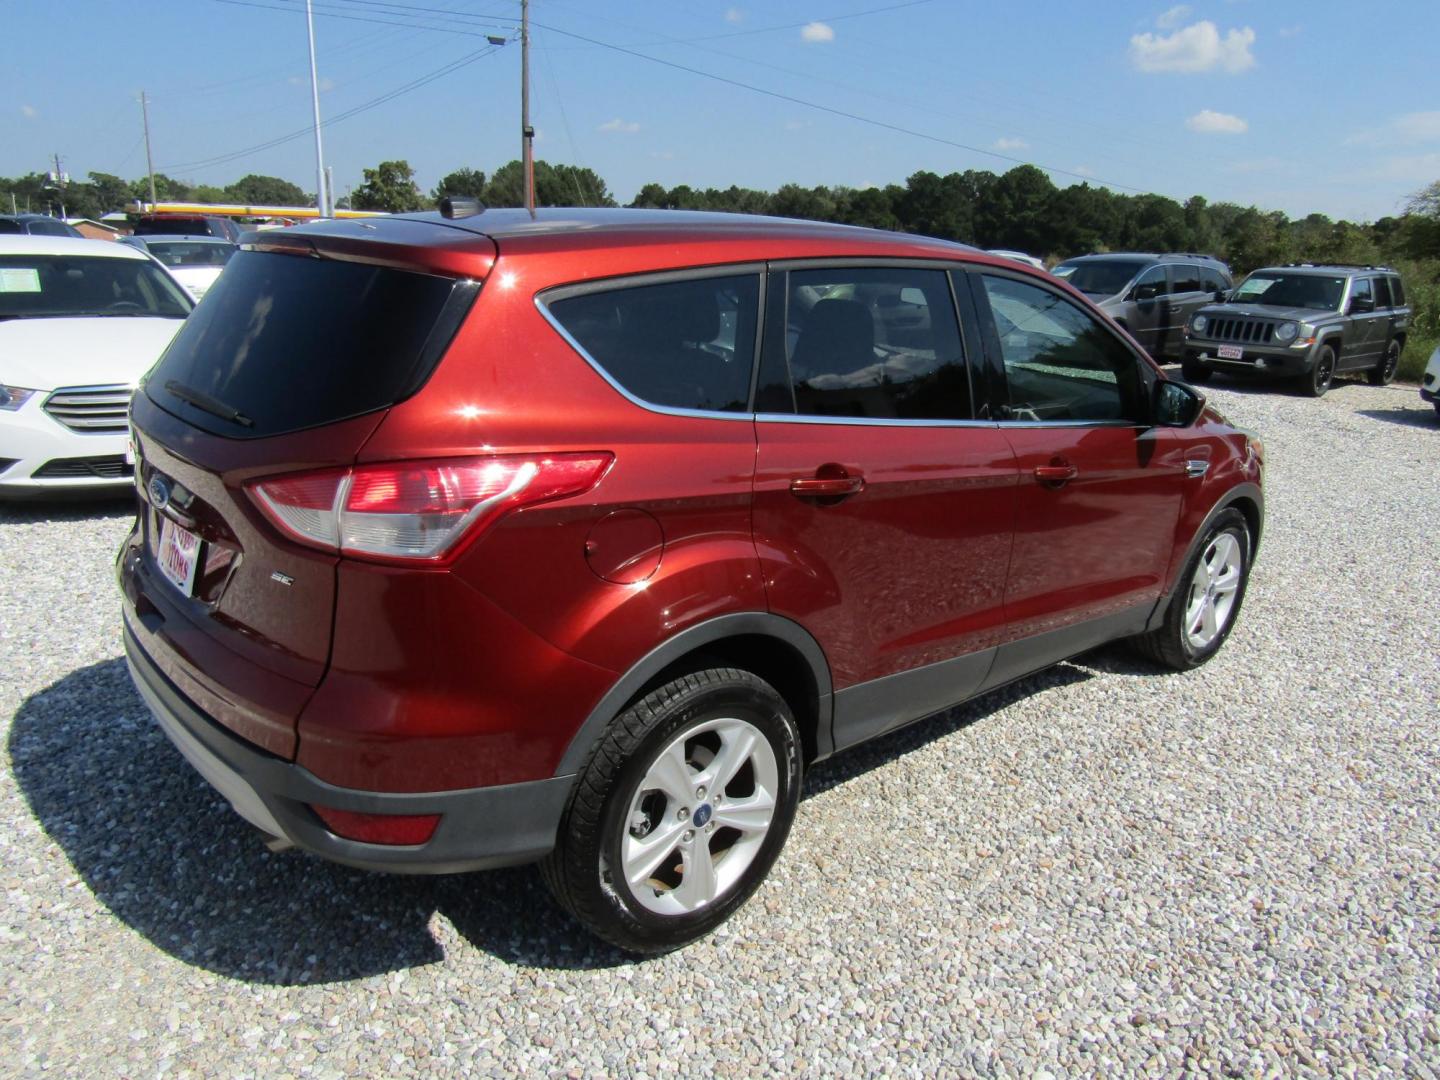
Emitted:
<point x="159" y="491"/>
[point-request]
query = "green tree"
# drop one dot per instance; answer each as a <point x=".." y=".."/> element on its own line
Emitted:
<point x="111" y="192"/>
<point x="255" y="190"/>
<point x="464" y="182"/>
<point x="389" y="186"/>
<point x="1015" y="212"/>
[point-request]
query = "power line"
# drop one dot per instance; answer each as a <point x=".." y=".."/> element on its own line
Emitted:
<point x="415" y="84"/>
<point x="362" y="18"/>
<point x="834" y="111"/>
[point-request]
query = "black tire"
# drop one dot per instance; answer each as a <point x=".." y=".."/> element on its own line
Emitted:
<point x="1317" y="380"/>
<point x="1195" y="373"/>
<point x="1383" y="374"/>
<point x="1170" y="644"/>
<point x="579" y="871"/>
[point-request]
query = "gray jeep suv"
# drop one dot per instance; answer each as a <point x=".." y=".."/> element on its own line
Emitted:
<point x="1152" y="296"/>
<point x="1305" y="320"/>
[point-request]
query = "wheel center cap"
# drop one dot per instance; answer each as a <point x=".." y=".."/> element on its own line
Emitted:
<point x="702" y="815"/>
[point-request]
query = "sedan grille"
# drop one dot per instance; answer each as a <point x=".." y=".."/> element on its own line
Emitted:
<point x="89" y="409"/>
<point x="1258" y="331"/>
<point x="112" y="467"/>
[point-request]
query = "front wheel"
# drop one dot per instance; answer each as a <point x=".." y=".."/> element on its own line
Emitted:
<point x="1318" y="379"/>
<point x="1384" y="373"/>
<point x="1204" y="607"/>
<point x="680" y="812"/>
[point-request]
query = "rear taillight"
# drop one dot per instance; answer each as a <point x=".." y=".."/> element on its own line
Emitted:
<point x="417" y="510"/>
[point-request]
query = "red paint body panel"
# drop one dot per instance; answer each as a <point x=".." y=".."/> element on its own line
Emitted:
<point x="910" y="570"/>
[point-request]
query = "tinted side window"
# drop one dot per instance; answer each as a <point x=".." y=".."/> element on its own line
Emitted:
<point x="1399" y="290"/>
<point x="1360" y="289"/>
<point x="1152" y="278"/>
<point x="49" y="228"/>
<point x="1213" y="279"/>
<point x="682" y="344"/>
<point x="881" y="344"/>
<point x="1060" y="363"/>
<point x="1382" y="292"/>
<point x="1187" y="279"/>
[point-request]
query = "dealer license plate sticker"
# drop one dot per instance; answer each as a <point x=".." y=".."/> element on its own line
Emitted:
<point x="1231" y="352"/>
<point x="179" y="556"/>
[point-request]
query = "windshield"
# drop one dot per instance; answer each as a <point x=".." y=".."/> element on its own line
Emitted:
<point x="1316" y="291"/>
<point x="68" y="286"/>
<point x="1099" y="277"/>
<point x="181" y="253"/>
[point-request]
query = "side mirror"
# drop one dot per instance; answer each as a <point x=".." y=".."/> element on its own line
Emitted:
<point x="1221" y="295"/>
<point x="1146" y="292"/>
<point x="1362" y="305"/>
<point x="1177" y="404"/>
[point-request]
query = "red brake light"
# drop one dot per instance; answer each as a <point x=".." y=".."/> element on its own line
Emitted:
<point x="418" y="510"/>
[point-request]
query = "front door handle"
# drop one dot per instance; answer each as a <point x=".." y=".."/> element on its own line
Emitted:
<point x="1056" y="474"/>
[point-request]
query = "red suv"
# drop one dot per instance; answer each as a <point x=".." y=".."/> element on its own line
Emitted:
<point x="475" y="540"/>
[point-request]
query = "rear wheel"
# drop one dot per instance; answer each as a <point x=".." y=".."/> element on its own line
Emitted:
<point x="680" y="812"/>
<point x="1317" y="380"/>
<point x="1195" y="373"/>
<point x="1204" y="607"/>
<point x="1383" y="374"/>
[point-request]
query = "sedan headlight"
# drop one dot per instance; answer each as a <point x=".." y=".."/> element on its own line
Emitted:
<point x="1286" y="331"/>
<point x="12" y="397"/>
<point x="1198" y="324"/>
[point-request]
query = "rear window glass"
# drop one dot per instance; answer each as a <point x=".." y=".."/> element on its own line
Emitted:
<point x="189" y="253"/>
<point x="681" y="344"/>
<point x="67" y="286"/>
<point x="1399" y="291"/>
<point x="290" y="342"/>
<point x="50" y="228"/>
<point x="1382" y="292"/>
<point x="176" y="226"/>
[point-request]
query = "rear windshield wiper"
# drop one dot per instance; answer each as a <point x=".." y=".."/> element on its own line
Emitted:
<point x="202" y="400"/>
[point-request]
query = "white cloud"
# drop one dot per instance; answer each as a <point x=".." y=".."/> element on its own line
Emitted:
<point x="816" y="32"/>
<point x="1083" y="170"/>
<point x="1210" y="122"/>
<point x="1174" y="17"/>
<point x="734" y="15"/>
<point x="28" y="111"/>
<point x="1407" y="130"/>
<point x="624" y="127"/>
<point x="1291" y="31"/>
<point x="1011" y="142"/>
<point x="1198" y="47"/>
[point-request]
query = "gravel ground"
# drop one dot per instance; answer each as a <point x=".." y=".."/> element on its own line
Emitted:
<point x="1233" y="871"/>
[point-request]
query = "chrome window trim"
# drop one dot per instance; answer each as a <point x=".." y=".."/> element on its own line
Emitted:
<point x="543" y="299"/>
<point x="869" y="421"/>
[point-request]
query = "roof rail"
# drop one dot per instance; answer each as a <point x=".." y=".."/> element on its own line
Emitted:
<point x="1342" y="266"/>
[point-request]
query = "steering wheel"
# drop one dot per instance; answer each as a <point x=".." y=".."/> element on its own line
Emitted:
<point x="125" y="305"/>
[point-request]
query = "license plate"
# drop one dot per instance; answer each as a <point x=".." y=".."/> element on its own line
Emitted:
<point x="179" y="555"/>
<point x="1231" y="352"/>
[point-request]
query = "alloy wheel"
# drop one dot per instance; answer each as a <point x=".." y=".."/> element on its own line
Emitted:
<point x="1213" y="590"/>
<point x="699" y="816"/>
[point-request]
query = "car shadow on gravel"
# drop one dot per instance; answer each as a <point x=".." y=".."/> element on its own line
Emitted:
<point x="168" y="857"/>
<point x="1417" y="418"/>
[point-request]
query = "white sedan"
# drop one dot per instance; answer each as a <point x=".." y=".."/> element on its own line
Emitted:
<point x="1430" y="383"/>
<point x="80" y="322"/>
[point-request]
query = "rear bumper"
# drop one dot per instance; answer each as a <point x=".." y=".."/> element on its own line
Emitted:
<point x="479" y="828"/>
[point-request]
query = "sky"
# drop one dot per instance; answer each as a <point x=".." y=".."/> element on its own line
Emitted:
<point x="1315" y="106"/>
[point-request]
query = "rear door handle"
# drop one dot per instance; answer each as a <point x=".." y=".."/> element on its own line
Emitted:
<point x="826" y="487"/>
<point x="1056" y="474"/>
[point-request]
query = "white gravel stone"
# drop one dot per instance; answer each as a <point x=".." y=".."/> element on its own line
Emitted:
<point x="1103" y="869"/>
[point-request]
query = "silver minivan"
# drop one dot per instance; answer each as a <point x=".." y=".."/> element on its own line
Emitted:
<point x="1150" y="295"/>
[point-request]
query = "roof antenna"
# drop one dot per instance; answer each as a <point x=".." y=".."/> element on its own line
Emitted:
<point x="460" y="206"/>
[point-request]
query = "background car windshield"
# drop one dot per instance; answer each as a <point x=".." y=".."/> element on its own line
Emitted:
<point x="189" y="253"/>
<point x="1292" y="290"/>
<point x="60" y="286"/>
<point x="1102" y="278"/>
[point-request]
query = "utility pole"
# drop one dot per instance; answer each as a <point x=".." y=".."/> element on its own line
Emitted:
<point x="59" y="179"/>
<point x="149" y="161"/>
<point x="322" y="202"/>
<point x="527" y="133"/>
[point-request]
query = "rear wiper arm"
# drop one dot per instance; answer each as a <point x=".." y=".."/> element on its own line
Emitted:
<point x="202" y="400"/>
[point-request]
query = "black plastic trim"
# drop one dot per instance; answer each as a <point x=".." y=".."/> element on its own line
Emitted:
<point x="706" y="633"/>
<point x="870" y="709"/>
<point x="480" y="828"/>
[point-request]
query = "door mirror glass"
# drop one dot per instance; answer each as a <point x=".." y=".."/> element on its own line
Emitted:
<point x="1147" y="291"/>
<point x="1177" y="404"/>
<point x="1221" y="295"/>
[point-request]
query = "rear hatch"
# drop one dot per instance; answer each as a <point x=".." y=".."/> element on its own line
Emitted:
<point x="289" y="365"/>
